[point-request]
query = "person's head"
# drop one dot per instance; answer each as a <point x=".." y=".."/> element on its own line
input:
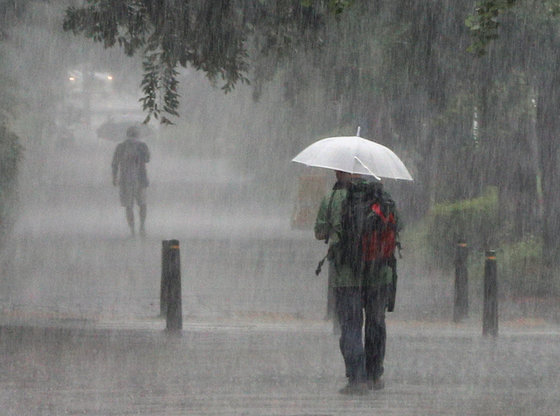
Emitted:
<point x="346" y="177"/>
<point x="132" y="132"/>
<point x="378" y="187"/>
<point x="376" y="181"/>
<point x="343" y="177"/>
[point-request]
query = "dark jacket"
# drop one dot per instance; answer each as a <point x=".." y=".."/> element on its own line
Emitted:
<point x="129" y="163"/>
<point x="328" y="225"/>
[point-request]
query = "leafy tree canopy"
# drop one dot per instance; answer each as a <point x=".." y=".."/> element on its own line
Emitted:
<point x="212" y="36"/>
<point x="484" y="23"/>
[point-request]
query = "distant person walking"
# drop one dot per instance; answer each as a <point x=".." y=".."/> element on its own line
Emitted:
<point x="361" y="251"/>
<point x="129" y="172"/>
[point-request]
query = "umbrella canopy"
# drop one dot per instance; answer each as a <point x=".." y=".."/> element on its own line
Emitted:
<point x="354" y="154"/>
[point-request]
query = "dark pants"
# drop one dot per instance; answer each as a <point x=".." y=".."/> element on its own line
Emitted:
<point x="375" y="303"/>
<point x="362" y="359"/>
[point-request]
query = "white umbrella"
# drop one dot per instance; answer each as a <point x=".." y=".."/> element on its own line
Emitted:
<point x="354" y="154"/>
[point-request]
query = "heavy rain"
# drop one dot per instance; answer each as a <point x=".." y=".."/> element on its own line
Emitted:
<point x="225" y="94"/>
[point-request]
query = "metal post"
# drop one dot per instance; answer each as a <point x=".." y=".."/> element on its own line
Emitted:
<point x="461" y="305"/>
<point x="174" y="306"/>
<point x="490" y="315"/>
<point x="164" y="278"/>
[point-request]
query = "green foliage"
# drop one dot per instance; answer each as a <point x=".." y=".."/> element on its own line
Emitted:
<point x="334" y="6"/>
<point x="339" y="6"/>
<point x="159" y="77"/>
<point x="210" y="36"/>
<point x="476" y="220"/>
<point x="520" y="267"/>
<point x="519" y="262"/>
<point x="207" y="35"/>
<point x="414" y="248"/>
<point x="484" y="23"/>
<point x="553" y="7"/>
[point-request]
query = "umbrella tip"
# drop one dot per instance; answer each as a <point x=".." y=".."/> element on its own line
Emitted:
<point x="358" y="132"/>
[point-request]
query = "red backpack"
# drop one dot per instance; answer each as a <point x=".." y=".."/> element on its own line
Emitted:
<point x="380" y="243"/>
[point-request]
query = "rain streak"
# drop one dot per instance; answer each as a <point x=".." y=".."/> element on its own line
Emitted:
<point x="279" y="208"/>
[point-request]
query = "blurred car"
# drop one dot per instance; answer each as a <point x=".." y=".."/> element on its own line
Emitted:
<point x="91" y="81"/>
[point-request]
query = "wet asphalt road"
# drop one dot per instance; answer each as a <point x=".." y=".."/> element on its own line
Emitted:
<point x="251" y="368"/>
<point x="80" y="334"/>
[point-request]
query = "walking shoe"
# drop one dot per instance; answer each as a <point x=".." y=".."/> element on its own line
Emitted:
<point x="376" y="384"/>
<point x="354" y="388"/>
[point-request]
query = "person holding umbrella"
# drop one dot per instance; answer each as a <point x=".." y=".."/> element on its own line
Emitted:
<point x="362" y="268"/>
<point x="129" y="172"/>
<point x="361" y="288"/>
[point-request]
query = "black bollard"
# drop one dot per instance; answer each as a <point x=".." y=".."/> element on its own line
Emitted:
<point x="164" y="278"/>
<point x="170" y="297"/>
<point x="174" y="306"/>
<point x="490" y="315"/>
<point x="461" y="305"/>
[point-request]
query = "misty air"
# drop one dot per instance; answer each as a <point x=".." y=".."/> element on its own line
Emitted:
<point x="279" y="208"/>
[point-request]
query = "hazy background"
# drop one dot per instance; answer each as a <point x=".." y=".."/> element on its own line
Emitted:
<point x="80" y="331"/>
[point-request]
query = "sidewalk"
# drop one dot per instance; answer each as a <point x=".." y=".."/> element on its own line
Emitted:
<point x="272" y="365"/>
